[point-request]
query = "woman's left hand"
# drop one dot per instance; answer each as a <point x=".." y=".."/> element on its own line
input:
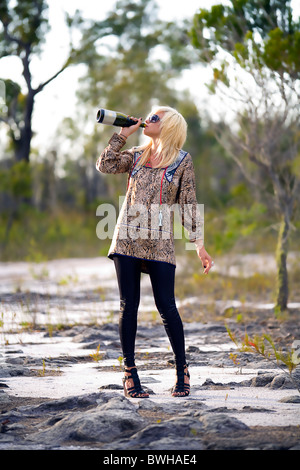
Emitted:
<point x="206" y="260"/>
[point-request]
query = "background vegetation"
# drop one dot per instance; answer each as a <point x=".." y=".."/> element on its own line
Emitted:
<point x="247" y="176"/>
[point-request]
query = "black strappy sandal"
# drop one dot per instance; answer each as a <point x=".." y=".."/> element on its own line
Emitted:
<point x="136" y="391"/>
<point x="181" y="389"/>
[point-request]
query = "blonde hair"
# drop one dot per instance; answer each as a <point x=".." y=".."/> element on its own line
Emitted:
<point x="173" y="130"/>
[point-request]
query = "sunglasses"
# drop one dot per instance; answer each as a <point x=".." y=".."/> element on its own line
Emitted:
<point x="154" y="118"/>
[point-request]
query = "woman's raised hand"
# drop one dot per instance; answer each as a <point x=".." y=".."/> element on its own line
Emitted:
<point x="127" y="131"/>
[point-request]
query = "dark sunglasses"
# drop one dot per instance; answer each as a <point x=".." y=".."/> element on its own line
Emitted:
<point x="153" y="118"/>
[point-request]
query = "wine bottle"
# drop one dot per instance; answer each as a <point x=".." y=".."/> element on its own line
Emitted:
<point x="114" y="118"/>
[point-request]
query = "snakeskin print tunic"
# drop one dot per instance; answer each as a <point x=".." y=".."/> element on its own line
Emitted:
<point x="145" y="224"/>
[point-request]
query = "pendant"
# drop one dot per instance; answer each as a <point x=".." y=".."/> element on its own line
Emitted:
<point x="160" y="216"/>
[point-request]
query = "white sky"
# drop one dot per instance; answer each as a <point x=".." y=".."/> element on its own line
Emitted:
<point x="58" y="99"/>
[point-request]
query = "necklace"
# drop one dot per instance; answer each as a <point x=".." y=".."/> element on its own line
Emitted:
<point x="151" y="159"/>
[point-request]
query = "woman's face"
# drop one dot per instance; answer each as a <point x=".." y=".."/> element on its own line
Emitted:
<point x="153" y="122"/>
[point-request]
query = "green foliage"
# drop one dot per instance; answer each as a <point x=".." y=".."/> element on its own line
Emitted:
<point x="236" y="222"/>
<point x="243" y="221"/>
<point x="26" y="22"/>
<point x="131" y="58"/>
<point x="15" y="102"/>
<point x="253" y="47"/>
<point x="37" y="236"/>
<point x="281" y="52"/>
<point x="16" y="181"/>
<point x="265" y="346"/>
<point x="96" y="356"/>
<point x="257" y="34"/>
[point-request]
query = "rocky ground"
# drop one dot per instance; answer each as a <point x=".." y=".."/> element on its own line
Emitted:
<point x="60" y="388"/>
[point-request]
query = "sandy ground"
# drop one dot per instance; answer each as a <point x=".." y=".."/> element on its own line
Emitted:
<point x="57" y="289"/>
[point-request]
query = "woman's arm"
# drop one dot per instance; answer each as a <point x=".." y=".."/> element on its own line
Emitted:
<point x="111" y="159"/>
<point x="186" y="196"/>
<point x="190" y="212"/>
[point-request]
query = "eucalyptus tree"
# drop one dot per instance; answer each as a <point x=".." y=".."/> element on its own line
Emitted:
<point x="23" y="28"/>
<point x="253" y="48"/>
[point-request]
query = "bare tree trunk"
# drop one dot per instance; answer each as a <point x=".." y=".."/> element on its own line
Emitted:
<point x="282" y="291"/>
<point x="23" y="145"/>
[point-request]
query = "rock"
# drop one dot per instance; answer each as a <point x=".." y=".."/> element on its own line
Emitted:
<point x="107" y="422"/>
<point x="282" y="381"/>
<point x="221" y="423"/>
<point x="62" y="404"/>
<point x="12" y="370"/>
<point x="209" y="383"/>
<point x="93" y="345"/>
<point x="291" y="399"/>
<point x="147" y="405"/>
<point x="150" y="380"/>
<point x="118" y="403"/>
<point x="296" y="374"/>
<point x="170" y="432"/>
<point x="261" y="380"/>
<point x="4" y="398"/>
<point x="255" y="409"/>
<point x="169" y="443"/>
<point x="222" y="409"/>
<point x="112" y="353"/>
<point x="15" y="360"/>
<point x="89" y="335"/>
<point x="193" y="349"/>
<point x="111" y="387"/>
<point x="183" y="432"/>
<point x="69" y="332"/>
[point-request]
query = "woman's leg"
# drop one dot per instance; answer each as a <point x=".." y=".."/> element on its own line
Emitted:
<point x="129" y="276"/>
<point x="162" y="277"/>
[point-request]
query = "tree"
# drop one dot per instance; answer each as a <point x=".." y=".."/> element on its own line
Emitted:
<point x="253" y="47"/>
<point x="23" y="27"/>
<point x="136" y="65"/>
<point x="131" y="58"/>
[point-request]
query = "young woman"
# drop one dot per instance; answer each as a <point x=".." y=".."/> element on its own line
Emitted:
<point x="161" y="174"/>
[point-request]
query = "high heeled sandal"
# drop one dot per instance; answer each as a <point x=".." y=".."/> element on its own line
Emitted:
<point x="181" y="389"/>
<point x="136" y="391"/>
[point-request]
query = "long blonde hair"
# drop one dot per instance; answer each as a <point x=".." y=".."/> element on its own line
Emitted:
<point x="173" y="131"/>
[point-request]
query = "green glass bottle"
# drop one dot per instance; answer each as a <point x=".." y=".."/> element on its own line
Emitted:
<point x="114" y="118"/>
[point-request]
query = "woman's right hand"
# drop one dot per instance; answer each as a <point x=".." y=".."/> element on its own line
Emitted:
<point x="206" y="260"/>
<point x="127" y="131"/>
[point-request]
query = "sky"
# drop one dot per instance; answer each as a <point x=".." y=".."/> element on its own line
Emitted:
<point x="58" y="99"/>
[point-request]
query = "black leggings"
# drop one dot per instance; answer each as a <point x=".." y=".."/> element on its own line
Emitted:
<point x="162" y="276"/>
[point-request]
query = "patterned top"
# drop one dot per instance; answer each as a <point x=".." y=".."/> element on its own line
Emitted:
<point x="145" y="224"/>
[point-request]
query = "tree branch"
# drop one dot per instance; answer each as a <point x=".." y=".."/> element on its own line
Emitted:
<point x="11" y="38"/>
<point x="42" y="85"/>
